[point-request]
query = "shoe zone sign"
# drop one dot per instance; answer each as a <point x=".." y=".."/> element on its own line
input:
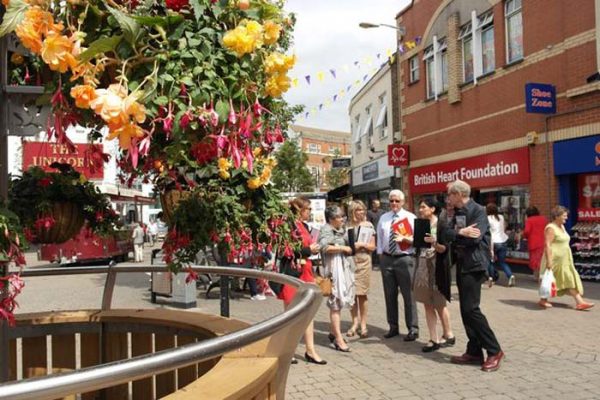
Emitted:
<point x="540" y="98"/>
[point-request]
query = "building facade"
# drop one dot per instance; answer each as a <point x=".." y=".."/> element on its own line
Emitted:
<point x="321" y="146"/>
<point x="371" y="119"/>
<point x="467" y="102"/>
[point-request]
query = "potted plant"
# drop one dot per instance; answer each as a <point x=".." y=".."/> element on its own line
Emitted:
<point x="53" y="206"/>
<point x="192" y="92"/>
<point x="12" y="244"/>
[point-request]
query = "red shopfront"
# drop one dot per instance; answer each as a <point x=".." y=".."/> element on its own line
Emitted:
<point x="502" y="178"/>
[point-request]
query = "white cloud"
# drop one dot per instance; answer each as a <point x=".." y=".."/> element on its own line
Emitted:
<point x="327" y="36"/>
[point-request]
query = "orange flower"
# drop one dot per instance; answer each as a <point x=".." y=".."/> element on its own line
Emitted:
<point x="57" y="52"/>
<point x="17" y="59"/>
<point x="125" y="134"/>
<point x="108" y="104"/>
<point x="83" y="95"/>
<point x="34" y="26"/>
<point x="5" y="3"/>
<point x="254" y="183"/>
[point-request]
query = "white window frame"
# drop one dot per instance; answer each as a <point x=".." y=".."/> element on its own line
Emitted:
<point x="508" y="15"/>
<point x="313" y="148"/>
<point x="484" y="22"/>
<point x="333" y="148"/>
<point x="434" y="56"/>
<point x="356" y="131"/>
<point x="413" y="65"/>
<point x="466" y="36"/>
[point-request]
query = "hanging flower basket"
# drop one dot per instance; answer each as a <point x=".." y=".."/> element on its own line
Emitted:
<point x="169" y="200"/>
<point x="68" y="220"/>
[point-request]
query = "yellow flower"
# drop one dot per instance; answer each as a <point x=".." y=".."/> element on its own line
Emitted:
<point x="83" y="95"/>
<point x="272" y="32"/>
<point x="270" y="162"/>
<point x="57" y="52"/>
<point x="17" y="59"/>
<point x="224" y="174"/>
<point x="266" y="175"/>
<point x="125" y="134"/>
<point x="239" y="41"/>
<point x="255" y="30"/>
<point x="36" y="24"/>
<point x="279" y="63"/>
<point x="257" y="151"/>
<point x="224" y="163"/>
<point x="277" y="85"/>
<point x="108" y="103"/>
<point x="254" y="183"/>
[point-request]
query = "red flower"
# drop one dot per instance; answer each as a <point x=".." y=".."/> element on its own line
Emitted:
<point x="205" y="151"/>
<point x="45" y="181"/>
<point x="177" y="5"/>
<point x="192" y="276"/>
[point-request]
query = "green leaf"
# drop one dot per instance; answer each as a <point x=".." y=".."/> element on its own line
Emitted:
<point x="102" y="45"/>
<point x="15" y="13"/>
<point x="167" y="78"/>
<point x="187" y="81"/>
<point x="161" y="21"/>
<point x="198" y="9"/>
<point x="161" y="100"/>
<point x="132" y="30"/>
<point x="222" y="108"/>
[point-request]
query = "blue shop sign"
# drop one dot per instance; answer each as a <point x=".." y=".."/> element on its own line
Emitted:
<point x="540" y="98"/>
<point x="577" y="155"/>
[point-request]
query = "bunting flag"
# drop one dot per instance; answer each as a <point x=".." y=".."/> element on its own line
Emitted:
<point x="320" y="76"/>
<point x="418" y="40"/>
<point x="320" y="106"/>
<point x="365" y="77"/>
<point x="307" y="79"/>
<point x="335" y="97"/>
<point x="333" y="73"/>
<point x="295" y="82"/>
<point x="378" y="55"/>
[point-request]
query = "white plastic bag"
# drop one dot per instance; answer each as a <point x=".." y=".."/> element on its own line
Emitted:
<point x="548" y="285"/>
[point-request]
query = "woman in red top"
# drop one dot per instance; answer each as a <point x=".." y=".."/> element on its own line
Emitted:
<point x="301" y="209"/>
<point x="534" y="233"/>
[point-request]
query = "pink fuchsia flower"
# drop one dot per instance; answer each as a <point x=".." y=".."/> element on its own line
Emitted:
<point x="232" y="118"/>
<point x="45" y="181"/>
<point x="192" y="276"/>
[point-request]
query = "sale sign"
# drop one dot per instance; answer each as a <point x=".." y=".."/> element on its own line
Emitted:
<point x="589" y="197"/>
<point x="398" y="155"/>
<point x="42" y="155"/>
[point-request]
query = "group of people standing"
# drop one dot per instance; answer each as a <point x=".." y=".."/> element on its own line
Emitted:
<point x="462" y="233"/>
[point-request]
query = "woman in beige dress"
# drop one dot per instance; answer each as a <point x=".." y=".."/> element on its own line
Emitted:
<point x="357" y="221"/>
<point x="559" y="259"/>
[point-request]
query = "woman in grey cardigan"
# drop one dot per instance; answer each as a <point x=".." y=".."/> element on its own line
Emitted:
<point x="337" y="265"/>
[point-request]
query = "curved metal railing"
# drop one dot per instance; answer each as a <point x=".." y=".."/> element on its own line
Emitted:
<point x="307" y="300"/>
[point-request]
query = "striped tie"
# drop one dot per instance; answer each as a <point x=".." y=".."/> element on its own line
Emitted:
<point x="393" y="245"/>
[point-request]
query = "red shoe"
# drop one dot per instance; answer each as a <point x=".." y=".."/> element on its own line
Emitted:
<point x="545" y="304"/>
<point x="584" y="306"/>
<point x="493" y="362"/>
<point x="466" y="359"/>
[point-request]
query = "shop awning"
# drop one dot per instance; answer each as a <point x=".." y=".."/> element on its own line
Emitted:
<point x="367" y="127"/>
<point x="381" y="117"/>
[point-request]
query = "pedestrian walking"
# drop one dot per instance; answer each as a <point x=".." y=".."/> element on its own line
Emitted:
<point x="470" y="237"/>
<point x="138" y="242"/>
<point x="559" y="259"/>
<point x="535" y="224"/>
<point x="398" y="265"/>
<point x="499" y="249"/>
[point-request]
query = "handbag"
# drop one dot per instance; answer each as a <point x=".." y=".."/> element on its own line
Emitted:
<point x="324" y="284"/>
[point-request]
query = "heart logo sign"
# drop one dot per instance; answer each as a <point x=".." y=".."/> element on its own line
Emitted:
<point x="398" y="155"/>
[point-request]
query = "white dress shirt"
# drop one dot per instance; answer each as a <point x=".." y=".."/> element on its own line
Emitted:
<point x="497" y="227"/>
<point x="384" y="226"/>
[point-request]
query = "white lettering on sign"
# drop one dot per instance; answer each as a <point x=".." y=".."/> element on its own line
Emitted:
<point x="589" y="214"/>
<point x="489" y="171"/>
<point x="541" y="93"/>
<point x="541" y="103"/>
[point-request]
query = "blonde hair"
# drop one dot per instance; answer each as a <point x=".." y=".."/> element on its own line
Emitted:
<point x="352" y="208"/>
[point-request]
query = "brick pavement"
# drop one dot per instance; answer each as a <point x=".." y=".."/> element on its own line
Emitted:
<point x="549" y="353"/>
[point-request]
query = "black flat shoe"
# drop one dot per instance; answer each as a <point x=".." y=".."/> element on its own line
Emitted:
<point x="411" y="337"/>
<point x="391" y="333"/>
<point x="448" y="342"/>
<point x="338" y="348"/>
<point x="430" y="347"/>
<point x="312" y="360"/>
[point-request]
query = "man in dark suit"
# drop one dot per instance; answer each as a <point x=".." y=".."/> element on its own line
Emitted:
<point x="471" y="240"/>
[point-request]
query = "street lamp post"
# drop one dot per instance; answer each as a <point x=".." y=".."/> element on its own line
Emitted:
<point x="367" y="25"/>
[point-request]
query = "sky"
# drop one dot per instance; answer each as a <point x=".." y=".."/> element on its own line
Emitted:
<point x="327" y="36"/>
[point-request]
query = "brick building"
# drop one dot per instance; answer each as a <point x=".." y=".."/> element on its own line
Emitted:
<point x="463" y="102"/>
<point x="321" y="146"/>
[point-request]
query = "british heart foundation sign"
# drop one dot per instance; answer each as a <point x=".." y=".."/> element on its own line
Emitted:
<point x="44" y="154"/>
<point x="398" y="155"/>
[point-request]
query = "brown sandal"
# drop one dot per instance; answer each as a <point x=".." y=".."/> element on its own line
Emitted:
<point x="351" y="332"/>
<point x="364" y="334"/>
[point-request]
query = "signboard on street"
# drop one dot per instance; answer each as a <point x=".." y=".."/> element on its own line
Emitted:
<point x="42" y="155"/>
<point x="540" y="98"/>
<point x="341" y="162"/>
<point x="398" y="155"/>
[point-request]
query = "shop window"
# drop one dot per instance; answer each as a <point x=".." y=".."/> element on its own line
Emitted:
<point x="436" y="68"/>
<point x="514" y="30"/>
<point x="478" y="47"/>
<point x="487" y="50"/>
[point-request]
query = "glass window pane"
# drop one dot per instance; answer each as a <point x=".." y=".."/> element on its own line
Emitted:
<point x="487" y="50"/>
<point x="468" y="60"/>
<point x="515" y="37"/>
<point x="444" y="71"/>
<point x="430" y="77"/>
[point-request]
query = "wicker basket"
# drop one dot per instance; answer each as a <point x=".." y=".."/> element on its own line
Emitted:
<point x="69" y="220"/>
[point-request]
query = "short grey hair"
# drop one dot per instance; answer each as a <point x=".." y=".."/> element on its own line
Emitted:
<point x="333" y="211"/>
<point x="557" y="211"/>
<point x="396" y="192"/>
<point x="460" y="187"/>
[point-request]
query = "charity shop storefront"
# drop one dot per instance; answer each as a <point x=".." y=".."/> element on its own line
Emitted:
<point x="577" y="169"/>
<point x="373" y="180"/>
<point x="502" y="178"/>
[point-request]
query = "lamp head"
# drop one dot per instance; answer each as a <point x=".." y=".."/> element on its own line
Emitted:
<point x="367" y="25"/>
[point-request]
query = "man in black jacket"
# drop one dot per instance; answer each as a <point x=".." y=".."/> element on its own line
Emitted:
<point x="471" y="241"/>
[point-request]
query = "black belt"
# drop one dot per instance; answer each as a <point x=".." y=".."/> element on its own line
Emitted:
<point x="397" y="255"/>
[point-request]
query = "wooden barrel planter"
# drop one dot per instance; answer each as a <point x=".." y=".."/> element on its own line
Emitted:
<point x="169" y="201"/>
<point x="79" y="339"/>
<point x="69" y="220"/>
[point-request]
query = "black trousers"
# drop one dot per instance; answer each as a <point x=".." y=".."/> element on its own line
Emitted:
<point x="476" y="325"/>
<point x="398" y="272"/>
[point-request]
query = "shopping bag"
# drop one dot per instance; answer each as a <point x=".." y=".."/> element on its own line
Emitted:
<point x="548" y="285"/>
